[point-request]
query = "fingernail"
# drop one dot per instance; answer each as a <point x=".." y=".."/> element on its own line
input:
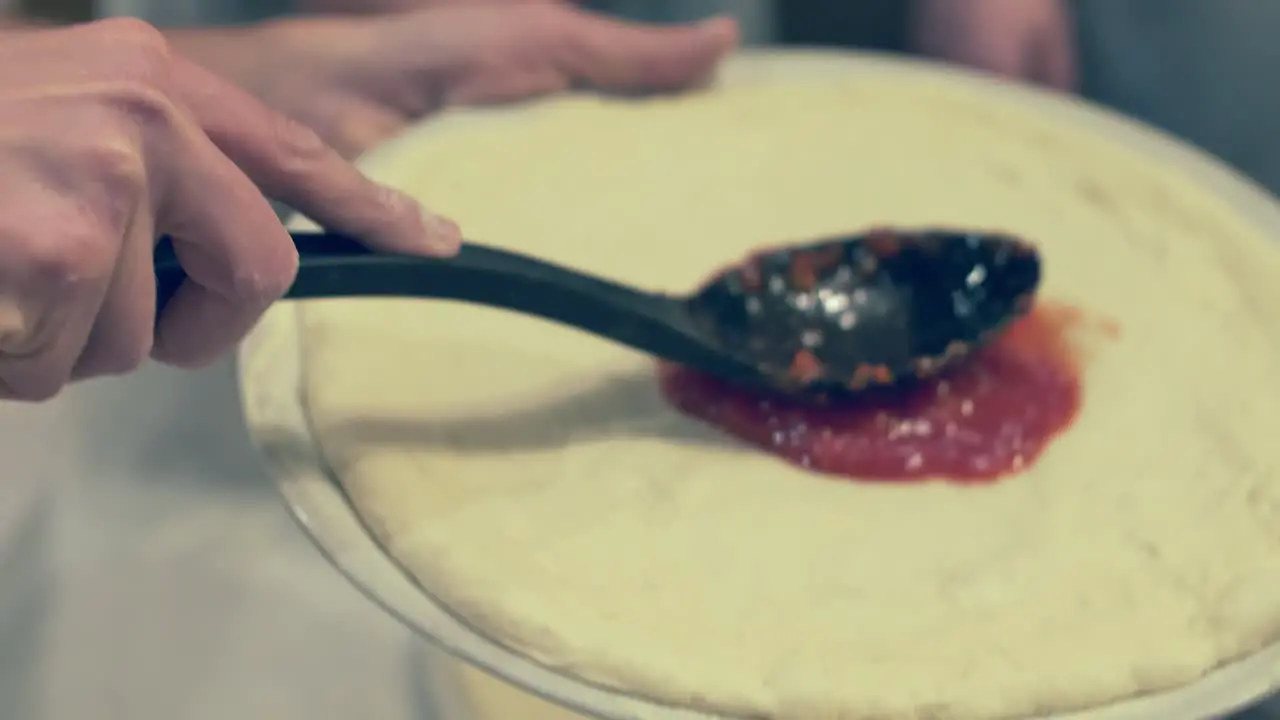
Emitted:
<point x="432" y="235"/>
<point x="444" y="237"/>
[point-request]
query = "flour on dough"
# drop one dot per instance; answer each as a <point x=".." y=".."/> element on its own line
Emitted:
<point x="531" y="478"/>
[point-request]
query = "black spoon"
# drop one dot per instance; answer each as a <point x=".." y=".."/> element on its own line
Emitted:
<point x="825" y="318"/>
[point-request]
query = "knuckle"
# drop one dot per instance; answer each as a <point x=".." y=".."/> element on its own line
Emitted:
<point x="298" y="147"/>
<point x="68" y="259"/>
<point x="143" y="103"/>
<point x="117" y="164"/>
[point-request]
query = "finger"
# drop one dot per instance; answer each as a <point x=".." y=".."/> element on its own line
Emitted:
<point x="354" y="133"/>
<point x="507" y="87"/>
<point x="124" y="331"/>
<point x="292" y="164"/>
<point x="57" y="320"/>
<point x="237" y="256"/>
<point x="621" y="56"/>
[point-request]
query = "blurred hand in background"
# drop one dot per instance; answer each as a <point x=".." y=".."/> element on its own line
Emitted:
<point x="357" y="7"/>
<point x="1028" y="40"/>
<point x="358" y="80"/>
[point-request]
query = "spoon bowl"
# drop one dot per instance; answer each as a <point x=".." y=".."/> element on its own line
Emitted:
<point x="845" y="314"/>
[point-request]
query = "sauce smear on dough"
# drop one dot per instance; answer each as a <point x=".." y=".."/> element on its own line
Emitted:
<point x="988" y="418"/>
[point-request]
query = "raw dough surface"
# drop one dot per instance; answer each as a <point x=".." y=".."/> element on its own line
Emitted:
<point x="531" y="478"/>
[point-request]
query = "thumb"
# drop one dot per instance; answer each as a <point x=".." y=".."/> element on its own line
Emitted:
<point x="614" y="55"/>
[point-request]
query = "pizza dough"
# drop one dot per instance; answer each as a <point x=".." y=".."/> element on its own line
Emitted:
<point x="531" y="478"/>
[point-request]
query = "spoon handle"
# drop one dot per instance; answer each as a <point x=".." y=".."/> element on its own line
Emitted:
<point x="333" y="265"/>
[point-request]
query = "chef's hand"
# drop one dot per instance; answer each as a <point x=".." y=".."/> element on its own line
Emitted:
<point x="1031" y="40"/>
<point x="109" y="139"/>
<point x="358" y="80"/>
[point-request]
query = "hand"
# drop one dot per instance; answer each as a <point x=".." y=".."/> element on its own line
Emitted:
<point x="109" y="139"/>
<point x="359" y="80"/>
<point x="1031" y="40"/>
